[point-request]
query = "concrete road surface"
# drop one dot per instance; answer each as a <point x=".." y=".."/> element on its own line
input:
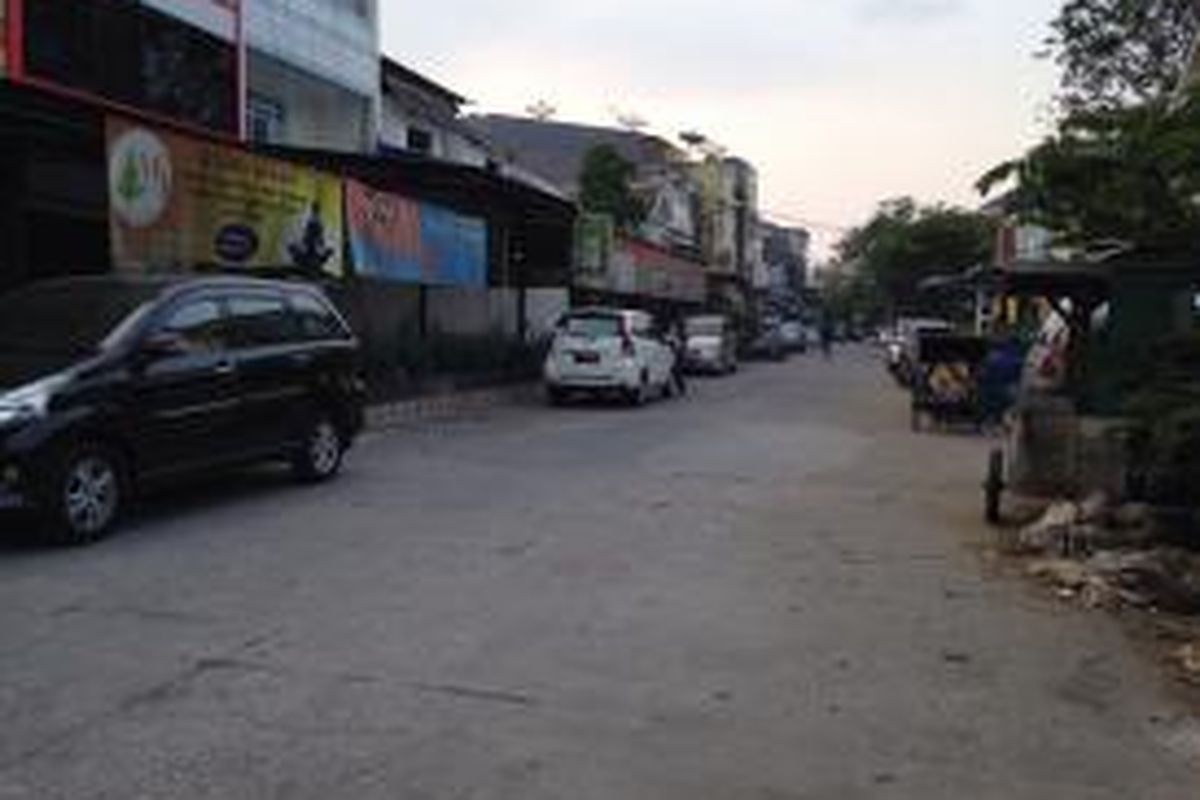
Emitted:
<point x="770" y="590"/>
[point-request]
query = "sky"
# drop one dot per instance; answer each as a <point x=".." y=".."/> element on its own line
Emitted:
<point x="840" y="104"/>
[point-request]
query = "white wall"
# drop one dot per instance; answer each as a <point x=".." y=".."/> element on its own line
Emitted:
<point x="337" y="40"/>
<point x="317" y="114"/>
<point x="448" y="145"/>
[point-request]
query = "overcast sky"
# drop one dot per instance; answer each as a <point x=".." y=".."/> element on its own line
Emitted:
<point x="839" y="103"/>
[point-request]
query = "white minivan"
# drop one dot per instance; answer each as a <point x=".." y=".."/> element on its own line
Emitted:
<point x="611" y="352"/>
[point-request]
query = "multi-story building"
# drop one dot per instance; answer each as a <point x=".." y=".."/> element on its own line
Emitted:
<point x="729" y="228"/>
<point x="65" y="65"/>
<point x="313" y="73"/>
<point x="785" y="253"/>
<point x="556" y="151"/>
<point x="661" y="259"/>
<point x="421" y="117"/>
<point x="174" y="59"/>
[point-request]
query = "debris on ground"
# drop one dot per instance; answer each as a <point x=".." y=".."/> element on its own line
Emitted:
<point x="1110" y="556"/>
<point x="1187" y="658"/>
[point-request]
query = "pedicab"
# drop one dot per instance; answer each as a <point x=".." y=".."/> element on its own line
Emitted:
<point x="946" y="385"/>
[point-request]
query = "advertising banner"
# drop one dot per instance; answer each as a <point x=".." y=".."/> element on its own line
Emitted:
<point x="385" y="234"/>
<point x="3" y="39"/>
<point x="665" y="276"/>
<point x="179" y="203"/>
<point x="453" y="247"/>
<point x="398" y="239"/>
<point x="593" y="242"/>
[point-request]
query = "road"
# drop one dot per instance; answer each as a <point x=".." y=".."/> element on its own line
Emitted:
<point x="770" y="590"/>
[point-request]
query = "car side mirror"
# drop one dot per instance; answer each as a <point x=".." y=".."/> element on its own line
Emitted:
<point x="163" y="344"/>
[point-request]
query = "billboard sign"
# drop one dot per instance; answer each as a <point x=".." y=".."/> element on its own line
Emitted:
<point x="3" y="39"/>
<point x="453" y="247"/>
<point x="398" y="239"/>
<point x="178" y="203"/>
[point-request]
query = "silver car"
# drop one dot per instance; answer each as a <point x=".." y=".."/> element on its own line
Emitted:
<point x="711" y="345"/>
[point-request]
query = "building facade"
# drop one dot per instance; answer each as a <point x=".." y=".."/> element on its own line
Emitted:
<point x="65" y="66"/>
<point x="420" y="117"/>
<point x="313" y="73"/>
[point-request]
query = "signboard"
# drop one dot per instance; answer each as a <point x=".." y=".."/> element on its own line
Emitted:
<point x="641" y="269"/>
<point x="453" y="247"/>
<point x="398" y="239"/>
<point x="593" y="242"/>
<point x="180" y="203"/>
<point x="665" y="276"/>
<point x="3" y="38"/>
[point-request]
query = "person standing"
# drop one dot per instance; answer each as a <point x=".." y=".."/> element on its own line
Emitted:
<point x="827" y="334"/>
<point x="677" y="341"/>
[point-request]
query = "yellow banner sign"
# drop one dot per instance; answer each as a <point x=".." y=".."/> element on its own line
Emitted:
<point x="178" y="203"/>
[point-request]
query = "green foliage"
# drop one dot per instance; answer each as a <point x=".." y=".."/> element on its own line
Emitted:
<point x="1130" y="174"/>
<point x="1166" y="411"/>
<point x="903" y="245"/>
<point x="605" y="187"/>
<point x="1116" y="53"/>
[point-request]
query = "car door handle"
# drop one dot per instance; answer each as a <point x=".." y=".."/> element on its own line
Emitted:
<point x="301" y="359"/>
<point x="224" y="368"/>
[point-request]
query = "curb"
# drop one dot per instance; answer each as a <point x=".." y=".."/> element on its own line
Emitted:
<point x="447" y="406"/>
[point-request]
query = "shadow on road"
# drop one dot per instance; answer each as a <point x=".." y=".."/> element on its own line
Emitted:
<point x="175" y="502"/>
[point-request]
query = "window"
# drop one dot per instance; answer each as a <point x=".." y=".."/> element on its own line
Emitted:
<point x="642" y="324"/>
<point x="261" y="321"/>
<point x="125" y="52"/>
<point x="264" y="119"/>
<point x="315" y="319"/>
<point x="200" y="327"/>
<point x="420" y="141"/>
<point x="593" y="326"/>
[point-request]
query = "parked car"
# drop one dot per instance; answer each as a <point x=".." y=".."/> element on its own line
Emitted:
<point x="794" y="335"/>
<point x="768" y="343"/>
<point x="711" y="345"/>
<point x="110" y="384"/>
<point x="610" y="352"/>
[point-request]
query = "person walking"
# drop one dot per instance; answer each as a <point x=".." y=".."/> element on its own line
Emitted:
<point x="677" y="339"/>
<point x="827" y="333"/>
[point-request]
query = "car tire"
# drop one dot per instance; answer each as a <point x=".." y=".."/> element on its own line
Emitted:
<point x="322" y="450"/>
<point x="85" y="496"/>
<point x="556" y="396"/>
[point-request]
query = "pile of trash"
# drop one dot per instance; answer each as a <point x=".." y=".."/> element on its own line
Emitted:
<point x="1111" y="556"/>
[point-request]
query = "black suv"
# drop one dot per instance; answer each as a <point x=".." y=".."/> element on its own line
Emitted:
<point x="109" y="383"/>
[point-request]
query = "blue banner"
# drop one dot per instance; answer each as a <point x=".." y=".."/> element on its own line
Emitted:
<point x="453" y="247"/>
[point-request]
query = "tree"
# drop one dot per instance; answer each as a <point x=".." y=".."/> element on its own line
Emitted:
<point x="1123" y="164"/>
<point x="904" y="244"/>
<point x="1117" y="53"/>
<point x="605" y="187"/>
<point x="1130" y="174"/>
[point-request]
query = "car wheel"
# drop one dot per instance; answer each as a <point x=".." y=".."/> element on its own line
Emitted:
<point x="86" y="496"/>
<point x="556" y="395"/>
<point x="322" y="449"/>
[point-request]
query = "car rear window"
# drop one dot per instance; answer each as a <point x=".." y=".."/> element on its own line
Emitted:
<point x="316" y="320"/>
<point x="593" y="326"/>
<point x="261" y="320"/>
<point x="705" y="326"/>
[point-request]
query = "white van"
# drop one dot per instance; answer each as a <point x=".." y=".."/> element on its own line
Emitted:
<point x="613" y="352"/>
